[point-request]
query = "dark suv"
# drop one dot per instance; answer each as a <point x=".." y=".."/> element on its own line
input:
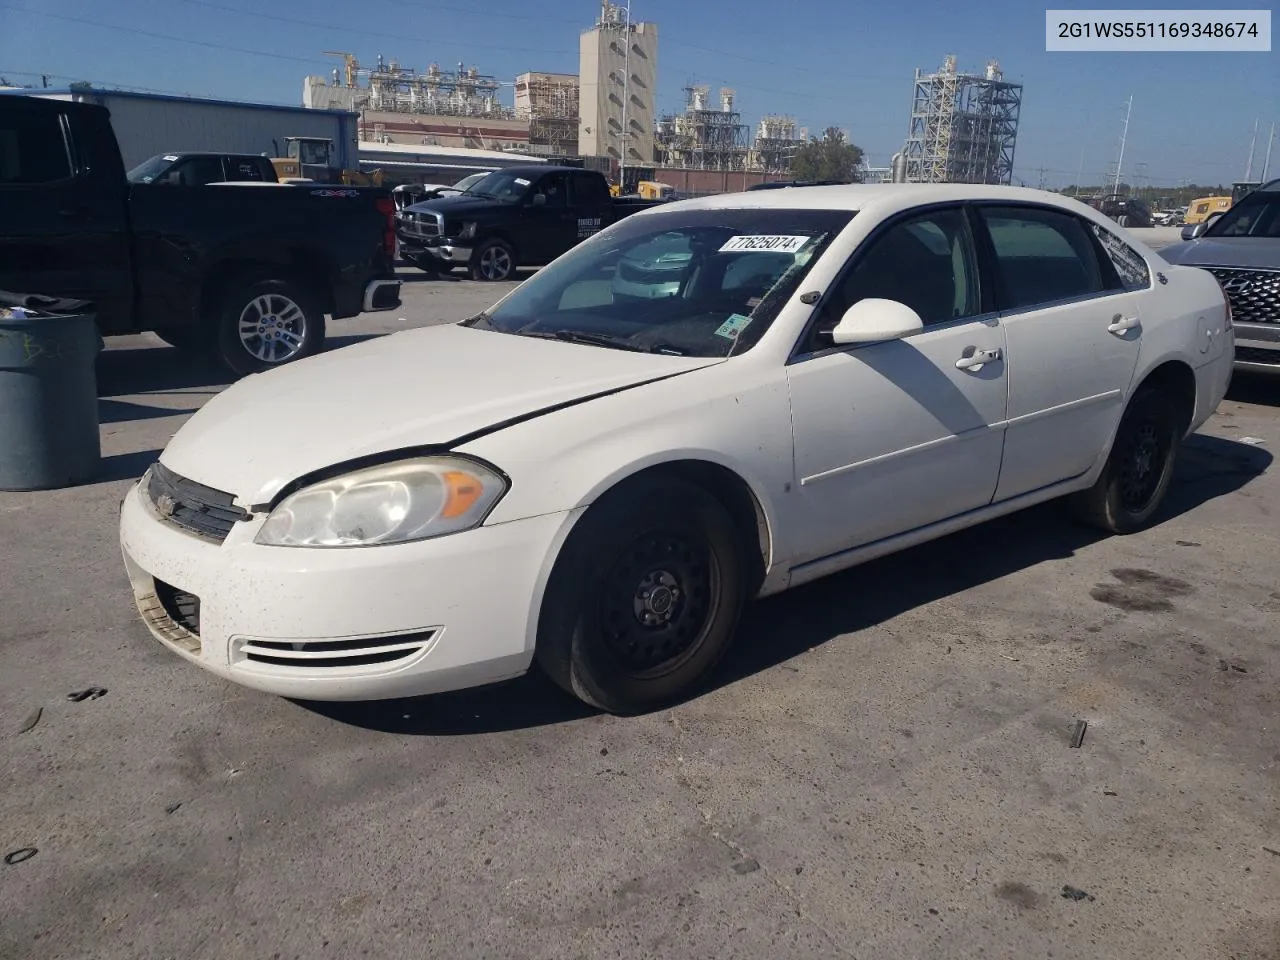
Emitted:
<point x="1126" y="211"/>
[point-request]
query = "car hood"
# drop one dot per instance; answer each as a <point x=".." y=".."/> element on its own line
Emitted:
<point x="1226" y="252"/>
<point x="456" y="205"/>
<point x="431" y="386"/>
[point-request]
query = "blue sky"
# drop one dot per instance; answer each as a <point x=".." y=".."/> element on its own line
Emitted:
<point x="828" y="64"/>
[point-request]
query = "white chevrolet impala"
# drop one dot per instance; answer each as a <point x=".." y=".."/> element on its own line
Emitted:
<point x="710" y="401"/>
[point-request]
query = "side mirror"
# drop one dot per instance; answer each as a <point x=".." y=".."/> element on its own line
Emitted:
<point x="1194" y="230"/>
<point x="538" y="200"/>
<point x="873" y="320"/>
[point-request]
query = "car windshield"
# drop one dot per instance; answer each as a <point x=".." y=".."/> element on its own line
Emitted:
<point x="149" y="170"/>
<point x="1258" y="215"/>
<point x="466" y="183"/>
<point x="500" y="185"/>
<point x="687" y="282"/>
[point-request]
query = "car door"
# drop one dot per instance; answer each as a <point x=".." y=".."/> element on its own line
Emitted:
<point x="63" y="231"/>
<point x="1073" y="333"/>
<point x="551" y="227"/>
<point x="897" y="435"/>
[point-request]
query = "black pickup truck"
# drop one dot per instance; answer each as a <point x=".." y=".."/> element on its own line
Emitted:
<point x="515" y="217"/>
<point x="247" y="273"/>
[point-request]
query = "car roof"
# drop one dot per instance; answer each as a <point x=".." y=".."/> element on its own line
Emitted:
<point x="208" y="153"/>
<point x="887" y="197"/>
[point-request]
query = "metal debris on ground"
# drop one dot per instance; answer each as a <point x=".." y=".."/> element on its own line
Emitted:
<point x="1075" y="893"/>
<point x="746" y="866"/>
<point x="173" y="807"/>
<point x="1110" y="793"/>
<point x="1077" y="738"/>
<point x="19" y="856"/>
<point x="1252" y="441"/>
<point x="89" y="693"/>
<point x="32" y="719"/>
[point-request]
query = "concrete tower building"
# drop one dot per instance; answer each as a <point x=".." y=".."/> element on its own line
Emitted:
<point x="617" y="76"/>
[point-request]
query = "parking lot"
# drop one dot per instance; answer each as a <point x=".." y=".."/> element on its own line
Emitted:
<point x="883" y="768"/>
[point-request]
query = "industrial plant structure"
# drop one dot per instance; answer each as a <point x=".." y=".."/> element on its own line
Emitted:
<point x="703" y="137"/>
<point x="437" y="107"/>
<point x="963" y="127"/>
<point x="549" y="103"/>
<point x="775" y="144"/>
<point x="617" y="71"/>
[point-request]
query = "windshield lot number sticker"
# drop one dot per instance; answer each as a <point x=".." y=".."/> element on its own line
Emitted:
<point x="763" y="244"/>
<point x="733" y="326"/>
<point x="587" y="226"/>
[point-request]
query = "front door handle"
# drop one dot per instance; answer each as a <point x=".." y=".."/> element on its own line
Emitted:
<point x="974" y="359"/>
<point x="1121" y="324"/>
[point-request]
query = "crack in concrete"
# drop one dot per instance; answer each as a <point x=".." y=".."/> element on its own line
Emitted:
<point x="789" y="894"/>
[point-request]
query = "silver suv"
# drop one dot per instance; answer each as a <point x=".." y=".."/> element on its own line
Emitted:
<point x="1241" y="247"/>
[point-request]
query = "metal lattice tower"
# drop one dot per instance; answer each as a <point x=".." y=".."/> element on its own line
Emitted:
<point x="775" y="144"/>
<point x="703" y="138"/>
<point x="963" y="127"/>
<point x="549" y="101"/>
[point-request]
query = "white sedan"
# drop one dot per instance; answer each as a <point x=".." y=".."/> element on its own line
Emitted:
<point x="709" y="401"/>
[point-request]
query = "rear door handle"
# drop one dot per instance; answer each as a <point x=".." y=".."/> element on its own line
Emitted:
<point x="1121" y="324"/>
<point x="977" y="359"/>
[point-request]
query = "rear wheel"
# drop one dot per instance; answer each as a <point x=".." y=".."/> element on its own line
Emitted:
<point x="1136" y="478"/>
<point x="645" y="598"/>
<point x="267" y="323"/>
<point x="493" y="260"/>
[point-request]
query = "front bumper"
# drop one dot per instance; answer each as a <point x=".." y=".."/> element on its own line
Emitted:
<point x="1258" y="347"/>
<point x="442" y="249"/>
<point x="343" y="624"/>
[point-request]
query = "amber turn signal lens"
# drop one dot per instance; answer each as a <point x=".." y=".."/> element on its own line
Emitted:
<point x="462" y="490"/>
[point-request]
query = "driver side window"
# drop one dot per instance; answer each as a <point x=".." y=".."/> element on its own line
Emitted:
<point x="926" y="262"/>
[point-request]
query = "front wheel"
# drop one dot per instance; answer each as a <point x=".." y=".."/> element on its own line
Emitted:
<point x="493" y="261"/>
<point x="267" y="323"/>
<point x="1139" y="469"/>
<point x="645" y="599"/>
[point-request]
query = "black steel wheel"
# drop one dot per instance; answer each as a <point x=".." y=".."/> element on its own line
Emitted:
<point x="645" y="598"/>
<point x="1133" y="484"/>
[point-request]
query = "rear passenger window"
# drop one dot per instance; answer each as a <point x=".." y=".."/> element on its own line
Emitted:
<point x="245" y="169"/>
<point x="1042" y="256"/>
<point x="1129" y="264"/>
<point x="32" y="149"/>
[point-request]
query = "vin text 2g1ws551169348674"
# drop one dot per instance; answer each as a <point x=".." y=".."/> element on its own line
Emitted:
<point x="704" y="403"/>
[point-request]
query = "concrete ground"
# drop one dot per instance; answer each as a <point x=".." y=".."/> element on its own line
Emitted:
<point x="883" y="768"/>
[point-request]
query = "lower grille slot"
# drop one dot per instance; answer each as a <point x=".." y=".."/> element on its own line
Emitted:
<point x="182" y="607"/>
<point x="313" y="654"/>
<point x="1258" y="355"/>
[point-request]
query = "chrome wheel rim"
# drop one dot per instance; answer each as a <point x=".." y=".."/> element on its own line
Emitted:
<point x="273" y="328"/>
<point x="495" y="263"/>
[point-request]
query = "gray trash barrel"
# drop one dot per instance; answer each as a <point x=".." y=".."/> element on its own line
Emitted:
<point x="48" y="394"/>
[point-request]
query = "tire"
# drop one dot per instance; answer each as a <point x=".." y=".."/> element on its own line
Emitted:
<point x="282" y="320"/>
<point x="645" y="598"/>
<point x="493" y="261"/>
<point x="1123" y="220"/>
<point x="1133" y="484"/>
<point x="187" y="339"/>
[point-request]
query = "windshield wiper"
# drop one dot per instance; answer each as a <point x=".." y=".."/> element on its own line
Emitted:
<point x="598" y="340"/>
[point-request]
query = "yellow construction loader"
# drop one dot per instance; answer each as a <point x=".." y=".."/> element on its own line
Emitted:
<point x="308" y="158"/>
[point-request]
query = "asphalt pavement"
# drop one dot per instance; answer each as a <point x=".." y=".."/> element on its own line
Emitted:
<point x="883" y="769"/>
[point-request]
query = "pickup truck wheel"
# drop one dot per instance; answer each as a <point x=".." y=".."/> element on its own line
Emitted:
<point x="267" y="323"/>
<point x="645" y="598"/>
<point x="493" y="261"/>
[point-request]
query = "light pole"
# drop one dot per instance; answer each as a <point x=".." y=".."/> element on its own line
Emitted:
<point x="626" y="100"/>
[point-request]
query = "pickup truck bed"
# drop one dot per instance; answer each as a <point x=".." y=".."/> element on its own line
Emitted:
<point x="247" y="274"/>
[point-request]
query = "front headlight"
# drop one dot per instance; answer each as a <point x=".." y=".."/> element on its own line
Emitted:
<point x="392" y="503"/>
